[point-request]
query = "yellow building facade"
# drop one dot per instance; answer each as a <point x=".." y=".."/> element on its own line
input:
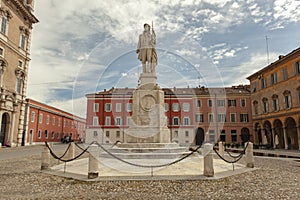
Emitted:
<point x="275" y="96"/>
<point x="16" y="21"/>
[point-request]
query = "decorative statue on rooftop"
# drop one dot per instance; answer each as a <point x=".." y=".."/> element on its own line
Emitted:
<point x="146" y="49"/>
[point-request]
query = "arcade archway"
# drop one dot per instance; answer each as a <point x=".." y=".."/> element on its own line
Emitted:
<point x="291" y="132"/>
<point x="4" y="128"/>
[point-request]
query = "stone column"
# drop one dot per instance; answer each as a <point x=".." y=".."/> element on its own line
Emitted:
<point x="208" y="161"/>
<point x="93" y="162"/>
<point x="71" y="151"/>
<point x="285" y="138"/>
<point x="12" y="127"/>
<point x="221" y="149"/>
<point x="45" y="160"/>
<point x="249" y="155"/>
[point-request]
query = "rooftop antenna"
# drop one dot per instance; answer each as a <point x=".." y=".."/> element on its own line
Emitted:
<point x="267" y="43"/>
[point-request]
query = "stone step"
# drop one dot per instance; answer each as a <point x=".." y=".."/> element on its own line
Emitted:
<point x="147" y="150"/>
<point x="147" y="145"/>
<point x="144" y="155"/>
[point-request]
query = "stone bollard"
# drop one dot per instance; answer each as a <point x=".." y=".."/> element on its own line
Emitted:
<point x="93" y="162"/>
<point x="208" y="161"/>
<point x="221" y="149"/>
<point x="0" y="145"/>
<point x="71" y="151"/>
<point x="45" y="158"/>
<point x="249" y="155"/>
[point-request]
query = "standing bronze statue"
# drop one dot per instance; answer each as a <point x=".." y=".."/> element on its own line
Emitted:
<point x="146" y="49"/>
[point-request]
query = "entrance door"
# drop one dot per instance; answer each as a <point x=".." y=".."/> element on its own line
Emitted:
<point x="199" y="136"/>
<point x="31" y="136"/>
<point x="3" y="128"/>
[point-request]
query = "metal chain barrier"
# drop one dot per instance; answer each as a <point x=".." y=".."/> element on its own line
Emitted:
<point x="236" y="157"/>
<point x="148" y="166"/>
<point x="64" y="160"/>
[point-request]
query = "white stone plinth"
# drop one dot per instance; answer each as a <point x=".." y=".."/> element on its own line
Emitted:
<point x="249" y="155"/>
<point x="93" y="162"/>
<point x="71" y="151"/>
<point x="45" y="158"/>
<point x="221" y="149"/>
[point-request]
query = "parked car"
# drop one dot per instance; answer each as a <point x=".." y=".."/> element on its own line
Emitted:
<point x="67" y="139"/>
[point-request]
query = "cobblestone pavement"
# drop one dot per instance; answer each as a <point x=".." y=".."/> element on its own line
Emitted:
<point x="275" y="179"/>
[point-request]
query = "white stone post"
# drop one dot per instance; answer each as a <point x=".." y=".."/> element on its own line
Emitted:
<point x="286" y="146"/>
<point x="208" y="161"/>
<point x="45" y="160"/>
<point x="71" y="151"/>
<point x="93" y="162"/>
<point x="249" y="155"/>
<point x="221" y="149"/>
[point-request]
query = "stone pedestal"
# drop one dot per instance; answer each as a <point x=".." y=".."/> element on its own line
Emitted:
<point x="208" y="161"/>
<point x="221" y="149"/>
<point x="93" y="171"/>
<point x="71" y="151"/>
<point x="148" y="120"/>
<point x="249" y="155"/>
<point x="45" y="158"/>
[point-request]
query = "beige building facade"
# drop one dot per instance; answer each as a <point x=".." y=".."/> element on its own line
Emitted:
<point x="16" y="21"/>
<point x="275" y="95"/>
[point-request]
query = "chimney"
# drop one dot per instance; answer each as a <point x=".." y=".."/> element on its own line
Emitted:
<point x="280" y="57"/>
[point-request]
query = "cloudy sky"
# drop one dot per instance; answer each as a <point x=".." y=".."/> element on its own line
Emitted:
<point x="81" y="47"/>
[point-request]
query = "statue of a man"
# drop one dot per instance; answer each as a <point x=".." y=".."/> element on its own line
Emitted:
<point x="146" y="49"/>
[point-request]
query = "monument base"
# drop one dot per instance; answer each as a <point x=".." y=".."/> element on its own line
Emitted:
<point x="144" y="134"/>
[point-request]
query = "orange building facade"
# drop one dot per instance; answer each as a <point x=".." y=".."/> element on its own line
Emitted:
<point x="46" y="123"/>
<point x="275" y="94"/>
<point x="218" y="114"/>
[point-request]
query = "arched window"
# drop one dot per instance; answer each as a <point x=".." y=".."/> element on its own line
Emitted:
<point x="275" y="104"/>
<point x="287" y="99"/>
<point x="265" y="105"/>
<point x="255" y="107"/>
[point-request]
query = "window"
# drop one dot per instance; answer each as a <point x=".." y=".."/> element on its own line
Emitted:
<point x="186" y="121"/>
<point x="118" y="121"/>
<point x="186" y="107"/>
<point x="32" y="116"/>
<point x="20" y="64"/>
<point x="68" y="124"/>
<point x="128" y="120"/>
<point x="210" y="103"/>
<point x="64" y="123"/>
<point x="1" y="52"/>
<point x="118" y="134"/>
<point x="96" y="107"/>
<point x="211" y="117"/>
<point x="176" y="134"/>
<point x="108" y="107"/>
<point x="222" y="136"/>
<point x="186" y="133"/>
<point x="23" y="41"/>
<point x="233" y="136"/>
<point x="232" y="117"/>
<point x="198" y="103"/>
<point x="199" y="118"/>
<point x="3" y="25"/>
<point x="244" y="118"/>
<point x="95" y="133"/>
<point x="265" y="105"/>
<point x="47" y="119"/>
<point x="52" y="134"/>
<point x="53" y="120"/>
<point x="19" y="84"/>
<point x="285" y="74"/>
<point x="107" y="134"/>
<point x="211" y="136"/>
<point x="254" y="87"/>
<point x="221" y="103"/>
<point x="118" y="107"/>
<point x="175" y="107"/>
<point x="275" y="103"/>
<point x="287" y="100"/>
<point x="243" y="102"/>
<point x="222" y="117"/>
<point x="39" y="134"/>
<point x="129" y="107"/>
<point x="166" y="107"/>
<point x="46" y="134"/>
<point x="107" y="121"/>
<point x="95" y="121"/>
<point x="58" y="135"/>
<point x="41" y="118"/>
<point x="297" y="67"/>
<point x="176" y="121"/>
<point x="263" y="83"/>
<point x="273" y="78"/>
<point x="58" y="122"/>
<point x="231" y="103"/>
<point x="255" y="107"/>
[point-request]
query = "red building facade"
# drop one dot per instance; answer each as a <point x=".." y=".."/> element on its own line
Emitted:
<point x="46" y="123"/>
<point x="220" y="114"/>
